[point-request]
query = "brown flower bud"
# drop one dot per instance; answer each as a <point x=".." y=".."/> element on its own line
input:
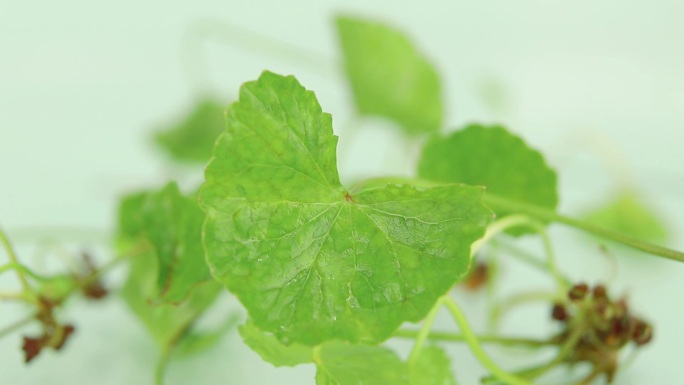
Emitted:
<point x="578" y="292"/>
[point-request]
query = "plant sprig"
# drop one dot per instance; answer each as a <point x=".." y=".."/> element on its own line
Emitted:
<point x="328" y="273"/>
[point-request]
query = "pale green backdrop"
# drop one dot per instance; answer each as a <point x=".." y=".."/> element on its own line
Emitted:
<point x="83" y="84"/>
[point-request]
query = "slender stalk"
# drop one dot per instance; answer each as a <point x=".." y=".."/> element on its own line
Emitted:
<point x="424" y="331"/>
<point x="160" y="369"/>
<point x="476" y="349"/>
<point x="499" y="227"/>
<point x="518" y="299"/>
<point x="13" y="258"/>
<point x="562" y="282"/>
<point x="497" y="202"/>
<point x="534" y="372"/>
<point x="25" y="270"/>
<point x="17" y="325"/>
<point x="489" y="339"/>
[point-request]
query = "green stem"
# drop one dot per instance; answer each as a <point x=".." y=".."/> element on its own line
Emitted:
<point x="160" y="369"/>
<point x="562" y="282"/>
<point x="531" y="373"/>
<point x="498" y="227"/>
<point x="518" y="299"/>
<point x="13" y="258"/>
<point x="490" y="339"/>
<point x="474" y="344"/>
<point x="424" y="331"/>
<point x="500" y="203"/>
<point x="25" y="270"/>
<point x="17" y="325"/>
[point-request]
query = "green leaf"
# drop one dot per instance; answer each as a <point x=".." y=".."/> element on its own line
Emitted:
<point x="197" y="341"/>
<point x="340" y="364"/>
<point x="167" y="323"/>
<point x="170" y="226"/>
<point x="492" y="157"/>
<point x="432" y="367"/>
<point x="273" y="351"/>
<point x="192" y="139"/>
<point x="389" y="77"/>
<point x="627" y="214"/>
<point x="309" y="260"/>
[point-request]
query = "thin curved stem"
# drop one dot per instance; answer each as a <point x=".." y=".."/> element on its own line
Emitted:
<point x="23" y="269"/>
<point x="498" y="227"/>
<point x="160" y="369"/>
<point x="17" y="325"/>
<point x="424" y="332"/>
<point x="13" y="258"/>
<point x="519" y="299"/>
<point x="474" y="344"/>
<point x="488" y="339"/>
<point x="497" y="202"/>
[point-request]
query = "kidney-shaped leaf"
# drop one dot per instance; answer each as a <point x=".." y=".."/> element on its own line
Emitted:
<point x="492" y="157"/>
<point x="167" y="323"/>
<point x="169" y="225"/>
<point x="271" y="350"/>
<point x="310" y="261"/>
<point x="432" y="367"/>
<point x="389" y="77"/>
<point x="192" y="139"/>
<point x="340" y="364"/>
<point x="629" y="215"/>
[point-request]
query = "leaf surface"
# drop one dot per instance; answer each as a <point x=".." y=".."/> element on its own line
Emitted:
<point x="192" y="139"/>
<point x="432" y="367"/>
<point x="340" y="364"/>
<point x="167" y="323"/>
<point x="491" y="157"/>
<point x="273" y="351"/>
<point x="169" y="225"/>
<point x="389" y="77"/>
<point x="310" y="261"/>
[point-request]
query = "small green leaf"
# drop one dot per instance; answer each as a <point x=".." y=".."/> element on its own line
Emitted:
<point x="273" y="351"/>
<point x="389" y="77"/>
<point x="192" y="139"/>
<point x="432" y="367"/>
<point x="198" y="341"/>
<point x="310" y="261"/>
<point x="167" y="323"/>
<point x="492" y="157"/>
<point x="170" y="225"/>
<point x="338" y="363"/>
<point x="627" y="214"/>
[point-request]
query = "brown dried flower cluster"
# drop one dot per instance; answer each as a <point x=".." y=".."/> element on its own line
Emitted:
<point x="599" y="327"/>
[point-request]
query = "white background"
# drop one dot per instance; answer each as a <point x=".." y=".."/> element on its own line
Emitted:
<point x="84" y="84"/>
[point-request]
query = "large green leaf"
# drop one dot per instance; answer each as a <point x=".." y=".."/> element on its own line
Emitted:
<point x="389" y="77"/>
<point x="310" y="260"/>
<point x="192" y="139"/>
<point x="169" y="225"/>
<point x="432" y="367"/>
<point x="340" y="364"/>
<point x="273" y="351"/>
<point x="167" y="323"/>
<point x="492" y="157"/>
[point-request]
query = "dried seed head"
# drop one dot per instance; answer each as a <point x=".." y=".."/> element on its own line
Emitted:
<point x="600" y="293"/>
<point x="642" y="333"/>
<point x="578" y="292"/>
<point x="559" y="312"/>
